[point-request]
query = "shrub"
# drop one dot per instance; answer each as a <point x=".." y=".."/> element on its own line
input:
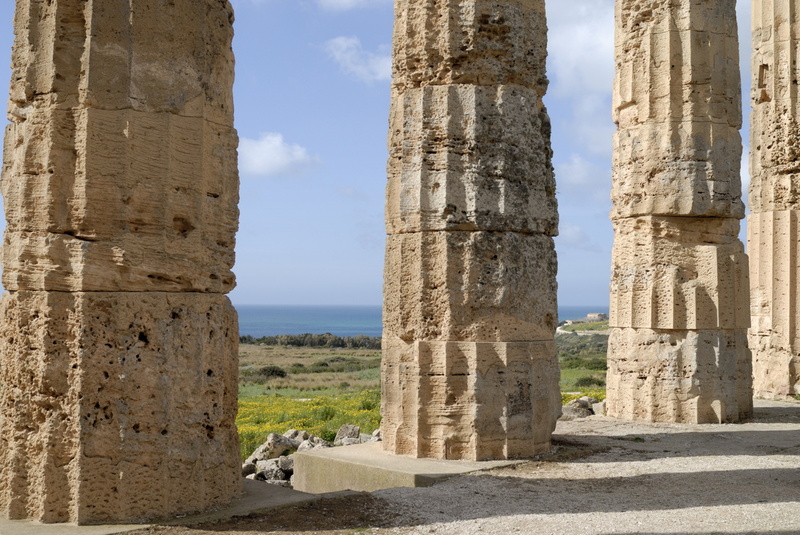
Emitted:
<point x="270" y="371"/>
<point x="315" y="340"/>
<point x="591" y="380"/>
<point x="328" y="434"/>
<point x="325" y="413"/>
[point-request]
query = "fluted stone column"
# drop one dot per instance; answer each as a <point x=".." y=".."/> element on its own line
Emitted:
<point x="775" y="200"/>
<point x="469" y="366"/>
<point x="118" y="345"/>
<point x="679" y="292"/>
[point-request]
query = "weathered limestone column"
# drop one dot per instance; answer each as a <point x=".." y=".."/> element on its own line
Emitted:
<point x="469" y="366"/>
<point x="118" y="345"/>
<point x="775" y="200"/>
<point x="679" y="292"/>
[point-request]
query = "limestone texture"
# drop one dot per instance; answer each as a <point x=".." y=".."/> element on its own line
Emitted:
<point x="680" y="287"/>
<point x="774" y="201"/>
<point x="115" y="404"/>
<point x="469" y="400"/>
<point x="469" y="368"/>
<point x="677" y="102"/>
<point x="118" y="347"/>
<point x="461" y="167"/>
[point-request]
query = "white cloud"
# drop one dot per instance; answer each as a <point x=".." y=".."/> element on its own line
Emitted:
<point x="353" y="59"/>
<point x="581" y="47"/>
<point x="574" y="237"/>
<point x="583" y="180"/>
<point x="342" y="5"/>
<point x="270" y="155"/>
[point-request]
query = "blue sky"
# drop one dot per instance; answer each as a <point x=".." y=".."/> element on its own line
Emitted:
<point x="312" y="101"/>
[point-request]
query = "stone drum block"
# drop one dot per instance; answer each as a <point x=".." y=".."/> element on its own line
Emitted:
<point x="117" y="406"/>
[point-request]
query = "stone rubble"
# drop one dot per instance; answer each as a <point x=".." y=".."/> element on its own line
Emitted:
<point x="582" y="407"/>
<point x="273" y="461"/>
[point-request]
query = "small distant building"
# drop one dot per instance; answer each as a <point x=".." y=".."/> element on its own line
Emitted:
<point x="590" y="318"/>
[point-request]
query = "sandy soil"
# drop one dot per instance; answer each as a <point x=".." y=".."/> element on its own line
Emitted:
<point x="605" y="477"/>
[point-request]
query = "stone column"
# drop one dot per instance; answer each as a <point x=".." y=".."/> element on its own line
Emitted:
<point x="469" y="365"/>
<point x="118" y="345"/>
<point x="775" y="200"/>
<point x="679" y="292"/>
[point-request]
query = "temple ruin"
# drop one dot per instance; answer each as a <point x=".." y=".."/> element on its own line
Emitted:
<point x="679" y="292"/>
<point x="469" y="361"/>
<point x="772" y="227"/>
<point x="118" y="345"/>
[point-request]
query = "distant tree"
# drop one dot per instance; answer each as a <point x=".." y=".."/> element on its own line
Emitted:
<point x="315" y="340"/>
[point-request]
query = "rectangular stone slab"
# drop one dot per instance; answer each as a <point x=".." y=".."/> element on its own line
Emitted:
<point x="366" y="468"/>
<point x="117" y="406"/>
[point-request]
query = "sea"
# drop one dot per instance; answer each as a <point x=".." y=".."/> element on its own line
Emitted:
<point x="271" y="320"/>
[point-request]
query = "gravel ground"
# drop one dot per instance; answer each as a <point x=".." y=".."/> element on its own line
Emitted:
<point x="605" y="477"/>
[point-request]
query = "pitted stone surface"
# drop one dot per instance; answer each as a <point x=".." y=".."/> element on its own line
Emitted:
<point x="470" y="295"/>
<point x="679" y="290"/>
<point x="476" y="42"/>
<point x="679" y="273"/>
<point x="148" y="200"/>
<point x="117" y="406"/>
<point x="118" y="349"/>
<point x="464" y="286"/>
<point x="468" y="400"/>
<point x="677" y="101"/>
<point x="110" y="56"/>
<point x="689" y="376"/>
<point x="775" y="201"/>
<point x="455" y="162"/>
<point x="690" y="178"/>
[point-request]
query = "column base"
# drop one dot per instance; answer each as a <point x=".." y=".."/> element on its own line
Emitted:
<point x="679" y="376"/>
<point x="469" y="400"/>
<point x="776" y="369"/>
<point x="117" y="407"/>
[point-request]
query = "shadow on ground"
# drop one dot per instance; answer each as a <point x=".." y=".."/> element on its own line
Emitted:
<point x="600" y="466"/>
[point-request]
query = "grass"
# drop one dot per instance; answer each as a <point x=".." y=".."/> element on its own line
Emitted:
<point x="582" y="360"/>
<point x="583" y="327"/>
<point x="321" y="415"/>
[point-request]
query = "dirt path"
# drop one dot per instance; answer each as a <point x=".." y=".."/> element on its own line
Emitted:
<point x="605" y="477"/>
